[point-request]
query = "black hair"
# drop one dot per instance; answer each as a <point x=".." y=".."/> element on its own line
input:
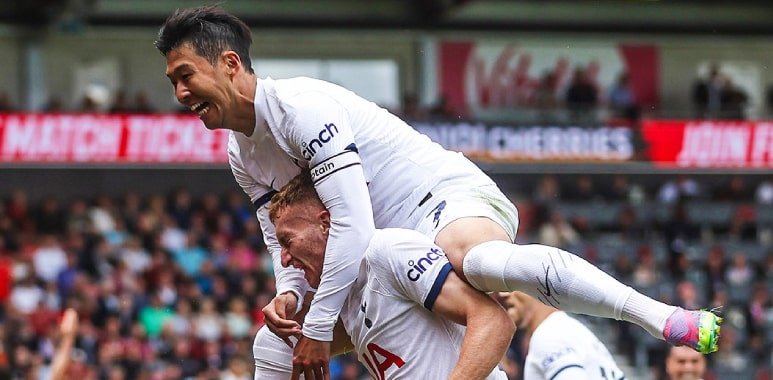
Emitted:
<point x="209" y="30"/>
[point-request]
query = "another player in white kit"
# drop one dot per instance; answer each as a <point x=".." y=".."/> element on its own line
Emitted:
<point x="405" y="311"/>
<point x="560" y="347"/>
<point x="371" y="170"/>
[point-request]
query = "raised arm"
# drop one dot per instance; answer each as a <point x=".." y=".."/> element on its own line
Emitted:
<point x="319" y="132"/>
<point x="290" y="284"/>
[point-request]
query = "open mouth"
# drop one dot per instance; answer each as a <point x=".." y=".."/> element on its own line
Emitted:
<point x="200" y="108"/>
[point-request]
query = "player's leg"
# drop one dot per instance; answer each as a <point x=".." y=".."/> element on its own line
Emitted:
<point x="273" y="358"/>
<point x="477" y="236"/>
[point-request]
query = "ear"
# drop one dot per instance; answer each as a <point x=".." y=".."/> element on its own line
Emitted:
<point x="232" y="61"/>
<point x="324" y="218"/>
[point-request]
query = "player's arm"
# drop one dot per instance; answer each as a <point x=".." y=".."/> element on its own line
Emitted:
<point x="320" y="133"/>
<point x="431" y="282"/>
<point x="290" y="283"/>
<point x="489" y="329"/>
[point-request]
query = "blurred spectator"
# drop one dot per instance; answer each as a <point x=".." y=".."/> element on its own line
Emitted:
<point x="734" y="190"/>
<point x="679" y="231"/>
<point x="764" y="193"/>
<point x="5" y="103"/>
<point x="53" y="105"/>
<point x="714" y="271"/>
<point x="619" y="190"/>
<point x="49" y="217"/>
<point x="237" y="320"/>
<point x="581" y="97"/>
<point x="411" y="109"/>
<point x="687" y="295"/>
<point x="88" y="105"/>
<point x="646" y="274"/>
<point x="547" y="190"/>
<point x="556" y="232"/>
<point x="208" y="325"/>
<point x="120" y="103"/>
<point x="190" y="257"/>
<point x="26" y="296"/>
<point x="441" y="110"/>
<point x="621" y="98"/>
<point x="583" y="189"/>
<point x="629" y="225"/>
<point x="740" y="273"/>
<point x="545" y="99"/>
<point x="743" y="224"/>
<point x="733" y="101"/>
<point x="680" y="188"/>
<point x="237" y="370"/>
<point x="682" y="363"/>
<point x="707" y="93"/>
<point x="142" y="103"/>
<point x="49" y="258"/>
<point x="154" y="315"/>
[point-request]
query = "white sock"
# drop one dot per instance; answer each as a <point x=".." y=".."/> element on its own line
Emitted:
<point x="647" y="313"/>
<point x="562" y="280"/>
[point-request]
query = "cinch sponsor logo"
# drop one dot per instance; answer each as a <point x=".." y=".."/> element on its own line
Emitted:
<point x="556" y="355"/>
<point x="421" y="266"/>
<point x="325" y="135"/>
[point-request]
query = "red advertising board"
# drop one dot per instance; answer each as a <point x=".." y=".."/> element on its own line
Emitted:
<point x="91" y="138"/>
<point x="709" y="144"/>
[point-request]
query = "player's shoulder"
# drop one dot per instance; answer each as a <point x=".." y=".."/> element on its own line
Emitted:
<point x="293" y="91"/>
<point x="552" y="332"/>
<point x="392" y="247"/>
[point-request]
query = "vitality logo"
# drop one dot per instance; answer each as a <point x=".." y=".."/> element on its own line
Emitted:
<point x="325" y="135"/>
<point x="421" y="266"/>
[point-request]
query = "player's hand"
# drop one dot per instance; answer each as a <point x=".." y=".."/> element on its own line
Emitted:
<point x="279" y="313"/>
<point x="311" y="359"/>
<point x="69" y="325"/>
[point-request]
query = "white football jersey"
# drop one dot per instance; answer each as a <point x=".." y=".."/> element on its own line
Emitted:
<point x="388" y="312"/>
<point x="563" y="348"/>
<point x="400" y="164"/>
<point x="308" y="123"/>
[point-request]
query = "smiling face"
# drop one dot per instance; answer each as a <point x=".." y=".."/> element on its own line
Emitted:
<point x="202" y="87"/>
<point x="302" y="231"/>
<point x="684" y="363"/>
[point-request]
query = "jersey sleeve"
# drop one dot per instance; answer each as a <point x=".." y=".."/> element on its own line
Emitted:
<point x="287" y="279"/>
<point x="319" y="131"/>
<point x="409" y="265"/>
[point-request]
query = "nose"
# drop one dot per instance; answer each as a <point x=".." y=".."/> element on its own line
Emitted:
<point x="181" y="92"/>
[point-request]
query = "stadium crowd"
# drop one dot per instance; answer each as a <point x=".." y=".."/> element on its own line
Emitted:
<point x="171" y="286"/>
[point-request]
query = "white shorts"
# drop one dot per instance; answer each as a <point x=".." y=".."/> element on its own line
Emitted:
<point x="449" y="202"/>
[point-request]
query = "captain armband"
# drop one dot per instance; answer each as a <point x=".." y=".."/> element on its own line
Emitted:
<point x="333" y="164"/>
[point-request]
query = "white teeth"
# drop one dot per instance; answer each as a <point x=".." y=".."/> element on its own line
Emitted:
<point x="193" y="107"/>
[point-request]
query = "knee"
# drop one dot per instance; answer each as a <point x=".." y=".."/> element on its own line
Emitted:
<point x="462" y="235"/>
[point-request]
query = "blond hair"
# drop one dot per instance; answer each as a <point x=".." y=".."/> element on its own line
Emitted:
<point x="300" y="189"/>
